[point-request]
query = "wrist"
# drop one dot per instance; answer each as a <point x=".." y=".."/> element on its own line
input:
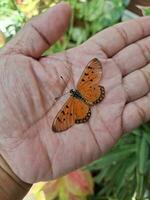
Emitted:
<point x="11" y="187"/>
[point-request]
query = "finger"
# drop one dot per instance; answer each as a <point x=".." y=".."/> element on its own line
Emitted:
<point x="114" y="39"/>
<point x="137" y="83"/>
<point x="134" y="56"/>
<point x="41" y="32"/>
<point x="136" y="112"/>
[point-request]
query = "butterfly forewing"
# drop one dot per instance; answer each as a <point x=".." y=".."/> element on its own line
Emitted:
<point x="88" y="84"/>
<point x="91" y="74"/>
<point x="65" y="117"/>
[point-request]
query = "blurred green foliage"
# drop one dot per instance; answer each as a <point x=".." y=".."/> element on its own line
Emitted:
<point x="123" y="173"/>
<point x="89" y="17"/>
<point x="145" y="10"/>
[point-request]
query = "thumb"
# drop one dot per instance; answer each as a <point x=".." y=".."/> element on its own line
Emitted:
<point x="40" y="32"/>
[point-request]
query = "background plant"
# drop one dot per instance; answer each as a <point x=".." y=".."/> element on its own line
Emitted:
<point x="88" y="17"/>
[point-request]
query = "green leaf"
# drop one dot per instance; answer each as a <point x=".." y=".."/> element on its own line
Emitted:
<point x="145" y="10"/>
<point x="125" y="172"/>
<point x="142" y="156"/>
<point x="112" y="157"/>
<point x="78" y="35"/>
<point x="102" y="174"/>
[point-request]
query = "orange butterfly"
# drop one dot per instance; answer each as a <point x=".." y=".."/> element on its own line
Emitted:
<point x="88" y="92"/>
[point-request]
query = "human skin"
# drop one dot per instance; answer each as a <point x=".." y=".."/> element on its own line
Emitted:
<point x="29" y="84"/>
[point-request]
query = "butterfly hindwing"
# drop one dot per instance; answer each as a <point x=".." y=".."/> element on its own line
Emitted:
<point x="88" y="84"/>
<point x="73" y="111"/>
<point x="95" y="94"/>
<point x="82" y="111"/>
<point x="100" y="96"/>
<point x="65" y="117"/>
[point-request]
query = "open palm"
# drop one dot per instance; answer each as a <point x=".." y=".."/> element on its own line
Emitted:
<point x="30" y="83"/>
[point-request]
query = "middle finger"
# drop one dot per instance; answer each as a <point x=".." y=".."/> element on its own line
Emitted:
<point x="137" y="83"/>
<point x="134" y="56"/>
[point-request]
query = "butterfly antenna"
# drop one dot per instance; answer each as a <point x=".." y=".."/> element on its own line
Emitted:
<point x="66" y="87"/>
<point x="63" y="80"/>
<point x="56" y="98"/>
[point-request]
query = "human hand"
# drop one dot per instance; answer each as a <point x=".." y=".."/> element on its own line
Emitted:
<point x="30" y="83"/>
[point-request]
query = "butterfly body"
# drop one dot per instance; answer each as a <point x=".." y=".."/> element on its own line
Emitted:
<point x="76" y="94"/>
<point x="88" y="92"/>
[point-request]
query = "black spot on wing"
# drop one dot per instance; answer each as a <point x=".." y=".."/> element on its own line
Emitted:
<point x="63" y="112"/>
<point x="58" y="119"/>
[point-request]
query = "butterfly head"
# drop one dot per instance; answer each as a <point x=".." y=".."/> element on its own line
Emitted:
<point x="76" y="94"/>
<point x="72" y="91"/>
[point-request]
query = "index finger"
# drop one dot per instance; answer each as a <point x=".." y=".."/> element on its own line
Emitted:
<point x="40" y="32"/>
<point x="115" y="38"/>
